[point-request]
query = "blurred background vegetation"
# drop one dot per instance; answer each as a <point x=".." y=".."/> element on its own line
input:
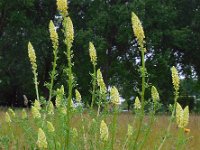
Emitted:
<point x="172" y="31"/>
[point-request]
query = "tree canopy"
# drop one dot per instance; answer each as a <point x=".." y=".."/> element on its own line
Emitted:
<point x="172" y="38"/>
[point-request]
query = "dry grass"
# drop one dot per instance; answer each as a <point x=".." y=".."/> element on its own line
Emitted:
<point x="158" y="131"/>
<point x="156" y="134"/>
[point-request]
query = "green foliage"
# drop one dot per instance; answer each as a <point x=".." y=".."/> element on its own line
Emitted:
<point x="21" y="21"/>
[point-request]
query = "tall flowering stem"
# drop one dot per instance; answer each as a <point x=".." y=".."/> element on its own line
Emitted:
<point x="93" y="57"/>
<point x="62" y="6"/>
<point x="182" y="120"/>
<point x="54" y="40"/>
<point x="139" y="34"/>
<point x="176" y="84"/>
<point x="32" y="58"/>
<point x="102" y="90"/>
<point x="114" y="97"/>
<point x="155" y="97"/>
<point x="69" y="37"/>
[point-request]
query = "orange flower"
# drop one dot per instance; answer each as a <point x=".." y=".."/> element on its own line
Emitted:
<point x="186" y="130"/>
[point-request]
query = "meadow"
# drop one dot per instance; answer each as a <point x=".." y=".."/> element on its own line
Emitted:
<point x="55" y="122"/>
<point x="125" y="119"/>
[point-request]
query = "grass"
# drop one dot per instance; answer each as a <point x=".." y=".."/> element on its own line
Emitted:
<point x="158" y="130"/>
<point x="122" y="123"/>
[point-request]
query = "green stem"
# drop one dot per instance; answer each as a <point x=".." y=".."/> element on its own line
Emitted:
<point x="114" y="127"/>
<point x="148" y="131"/>
<point x="70" y="82"/>
<point x="170" y="123"/>
<point x="98" y="110"/>
<point x="84" y="135"/>
<point x="179" y="141"/>
<point x="143" y="81"/>
<point x="142" y="96"/>
<point x="53" y="73"/>
<point x="93" y="84"/>
<point x="124" y="146"/>
<point x="54" y="139"/>
<point x="36" y="84"/>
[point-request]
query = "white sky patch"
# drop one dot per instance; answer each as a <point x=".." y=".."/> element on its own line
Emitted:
<point x="137" y="60"/>
<point x="121" y="99"/>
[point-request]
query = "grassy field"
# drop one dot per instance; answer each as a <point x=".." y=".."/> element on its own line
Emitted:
<point x="124" y="119"/>
<point x="159" y="129"/>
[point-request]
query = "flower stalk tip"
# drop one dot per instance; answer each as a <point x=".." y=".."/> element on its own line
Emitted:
<point x="137" y="104"/>
<point x="41" y="142"/>
<point x="182" y="116"/>
<point x="78" y="96"/>
<point x="154" y="94"/>
<point x="62" y="7"/>
<point x="7" y="118"/>
<point x="92" y="52"/>
<point x="103" y="131"/>
<point x="50" y="127"/>
<point x="32" y="56"/>
<point x="114" y="96"/>
<point x="53" y="34"/>
<point x="138" y="30"/>
<point x="175" y="79"/>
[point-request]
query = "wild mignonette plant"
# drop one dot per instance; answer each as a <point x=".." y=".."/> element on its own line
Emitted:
<point x="59" y="125"/>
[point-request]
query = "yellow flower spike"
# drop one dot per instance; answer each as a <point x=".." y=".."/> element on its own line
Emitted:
<point x="182" y="116"/>
<point x="92" y="52"/>
<point x="78" y="96"/>
<point x="32" y="56"/>
<point x="103" y="131"/>
<point x="130" y="130"/>
<point x="175" y="79"/>
<point x="114" y="96"/>
<point x="62" y="89"/>
<point x="59" y="96"/>
<point x="63" y="110"/>
<point x="24" y="114"/>
<point x="7" y="118"/>
<point x="138" y="30"/>
<point x="53" y="34"/>
<point x="50" y="108"/>
<point x="11" y="112"/>
<point x="37" y="105"/>
<point x="179" y="114"/>
<point x="62" y="6"/>
<point x="103" y="88"/>
<point x="99" y="77"/>
<point x="154" y="94"/>
<point x="69" y="29"/>
<point x="41" y="142"/>
<point x="100" y="82"/>
<point x="50" y="127"/>
<point x="58" y="101"/>
<point x="137" y="104"/>
<point x="185" y="116"/>
<point x="35" y="112"/>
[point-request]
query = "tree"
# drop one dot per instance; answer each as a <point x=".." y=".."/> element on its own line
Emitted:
<point x="172" y="35"/>
<point x="22" y="21"/>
